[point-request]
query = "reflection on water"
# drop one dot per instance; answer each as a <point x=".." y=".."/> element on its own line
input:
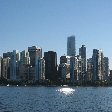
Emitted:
<point x="55" y="99"/>
<point x="66" y="91"/>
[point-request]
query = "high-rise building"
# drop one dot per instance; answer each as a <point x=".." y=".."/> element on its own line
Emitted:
<point x="64" y="68"/>
<point x="65" y="59"/>
<point x="34" y="52"/>
<point x="24" y="57"/>
<point x="80" y="76"/>
<point x="8" y="54"/>
<point x="106" y="68"/>
<point x="89" y="69"/>
<point x="40" y="70"/>
<point x="98" y="65"/>
<point x="82" y="53"/>
<point x="50" y="58"/>
<point x="71" y="50"/>
<point x="23" y="64"/>
<point x="95" y="65"/>
<point x="6" y="68"/>
<point x="13" y="65"/>
<point x="101" y="67"/>
<point x="76" y="69"/>
<point x="73" y="69"/>
<point x="31" y="64"/>
<point x="28" y="73"/>
<point x="0" y="66"/>
<point x="63" y="71"/>
<point x="110" y="75"/>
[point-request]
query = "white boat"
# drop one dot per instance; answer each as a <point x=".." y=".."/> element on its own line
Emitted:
<point x="8" y="85"/>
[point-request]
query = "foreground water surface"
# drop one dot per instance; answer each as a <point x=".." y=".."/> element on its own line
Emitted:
<point x="55" y="99"/>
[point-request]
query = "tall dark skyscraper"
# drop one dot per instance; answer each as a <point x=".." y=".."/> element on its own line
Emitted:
<point x="72" y="69"/>
<point x="95" y="64"/>
<point x="82" y="53"/>
<point x="71" y="50"/>
<point x="13" y="66"/>
<point x="106" y="67"/>
<point x="98" y="67"/>
<point x="50" y="58"/>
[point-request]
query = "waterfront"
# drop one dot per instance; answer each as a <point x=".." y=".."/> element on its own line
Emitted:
<point x="55" y="99"/>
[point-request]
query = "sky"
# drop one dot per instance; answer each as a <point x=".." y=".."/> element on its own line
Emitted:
<point x="48" y="23"/>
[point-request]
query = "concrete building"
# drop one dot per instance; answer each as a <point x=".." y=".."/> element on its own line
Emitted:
<point x="28" y="73"/>
<point x="34" y="51"/>
<point x="106" y="68"/>
<point x="24" y="61"/>
<point x="71" y="49"/>
<point x="98" y="67"/>
<point x="76" y="69"/>
<point x="8" y="54"/>
<point x="24" y="57"/>
<point x="80" y="75"/>
<point x="50" y="58"/>
<point x="6" y="68"/>
<point x="89" y="69"/>
<point x="40" y="70"/>
<point x="82" y="53"/>
<point x="95" y="65"/>
<point x="32" y="66"/>
<point x="65" y="59"/>
<point x="13" y="66"/>
<point x="73" y="69"/>
<point x="0" y="67"/>
<point x="110" y="75"/>
<point x="64" y="72"/>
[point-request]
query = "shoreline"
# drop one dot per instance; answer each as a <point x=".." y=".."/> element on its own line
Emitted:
<point x="64" y="86"/>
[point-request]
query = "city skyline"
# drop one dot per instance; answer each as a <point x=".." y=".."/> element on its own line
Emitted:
<point x="48" y="23"/>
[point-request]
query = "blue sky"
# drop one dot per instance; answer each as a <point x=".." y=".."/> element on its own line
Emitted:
<point x="48" y="23"/>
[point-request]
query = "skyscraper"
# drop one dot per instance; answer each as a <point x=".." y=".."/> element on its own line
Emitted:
<point x="63" y="71"/>
<point x="73" y="69"/>
<point x="89" y="69"/>
<point x="0" y="66"/>
<point x="98" y="65"/>
<point x="65" y="59"/>
<point x="50" y="58"/>
<point x="40" y="70"/>
<point x="82" y="53"/>
<point x="23" y="64"/>
<point x="106" y="68"/>
<point x="24" y="57"/>
<point x="8" y="54"/>
<point x="6" y="68"/>
<point x="13" y="66"/>
<point x="34" y="52"/>
<point x="71" y="50"/>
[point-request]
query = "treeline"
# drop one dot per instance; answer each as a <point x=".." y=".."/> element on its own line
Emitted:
<point x="5" y="82"/>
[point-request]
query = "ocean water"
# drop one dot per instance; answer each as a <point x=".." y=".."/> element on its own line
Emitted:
<point x="55" y="99"/>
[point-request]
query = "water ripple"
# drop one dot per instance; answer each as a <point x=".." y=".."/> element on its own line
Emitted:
<point x="55" y="99"/>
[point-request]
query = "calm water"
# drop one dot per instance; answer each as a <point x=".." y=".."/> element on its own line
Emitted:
<point x="55" y="99"/>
